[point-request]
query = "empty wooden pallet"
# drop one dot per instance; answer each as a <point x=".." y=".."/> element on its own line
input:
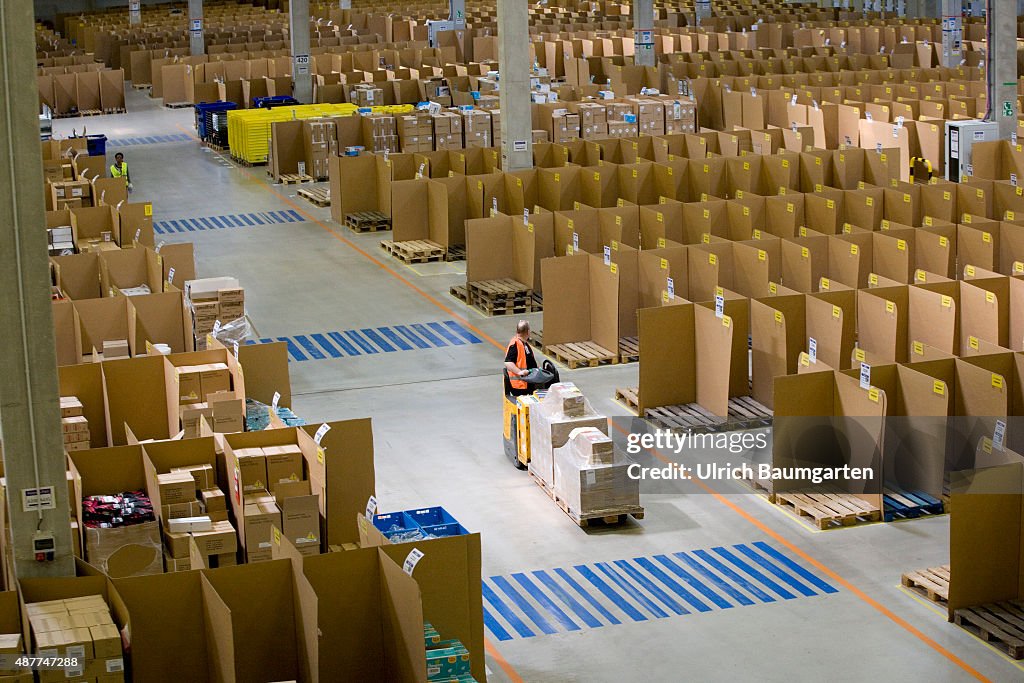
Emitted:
<point x="177" y="105"/>
<point x="629" y="350"/>
<point x="456" y="252"/>
<point x="581" y="354"/>
<point x="294" y="178"/>
<point x="932" y="583"/>
<point x="1000" y="623"/>
<point x="460" y="292"/>
<point x="413" y="251"/>
<point x="901" y="504"/>
<point x="537" y="338"/>
<point x="828" y="509"/>
<point x="629" y="397"/>
<point x="686" y="417"/>
<point x="368" y="221"/>
<point x="316" y="195"/>
<point x="609" y="516"/>
<point x="500" y="297"/>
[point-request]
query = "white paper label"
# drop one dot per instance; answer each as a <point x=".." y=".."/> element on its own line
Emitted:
<point x="719" y="305"/>
<point x="115" y="665"/>
<point x="519" y="146"/>
<point x="324" y="428"/>
<point x="302" y="168"/>
<point x="38" y="499"/>
<point x="607" y="255"/>
<point x="301" y="64"/>
<point x="216" y="327"/>
<point x="423" y="167"/>
<point x="1013" y="179"/>
<point x="865" y="376"/>
<point x="526" y="216"/>
<point x="999" y="435"/>
<point x="591" y="477"/>
<point x="411" y="560"/>
<point x="276" y="401"/>
<point x="671" y="284"/>
<point x="138" y="234"/>
<point x="867" y="115"/>
<point x="235" y="349"/>
<point x="159" y="246"/>
<point x="878" y="147"/>
<point x="170" y="276"/>
<point x="812" y="349"/>
<point x="371" y="507"/>
<point x="575" y="241"/>
<point x="494" y="204"/>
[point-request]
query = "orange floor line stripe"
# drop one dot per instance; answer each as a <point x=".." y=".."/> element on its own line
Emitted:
<point x="502" y="662"/>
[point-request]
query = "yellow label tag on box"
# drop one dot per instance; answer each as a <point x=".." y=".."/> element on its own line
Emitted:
<point x="990" y="297"/>
<point x="664" y="264"/>
<point x="890" y="307"/>
<point x="712" y="259"/>
<point x="726" y="321"/>
<point x="1018" y="267"/>
<point x="939" y="387"/>
<point x="928" y="220"/>
<point x="947" y="301"/>
<point x="634" y="173"/>
<point x="972" y="341"/>
<point x="618" y="220"/>
<point x="918" y="348"/>
<point x="757" y="234"/>
<point x="969" y="271"/>
<point x="837" y="312"/>
<point x="529" y="227"/>
<point x="901" y="245"/>
<point x="943" y="242"/>
<point x="615" y="245"/>
<point x="661" y="242"/>
<point x="967" y="219"/>
<point x="946" y="196"/>
<point x="707" y="214"/>
<point x="147" y="210"/>
<point x="773" y="288"/>
<point x="825" y="284"/>
<point x="614" y="267"/>
<point x="980" y="194"/>
<point x="762" y="255"/>
<point x="885" y="224"/>
<point x="803" y="231"/>
<point x="986" y="237"/>
<point x="558" y="176"/>
<point x="997" y="381"/>
<point x="858" y="355"/>
<point x="664" y="296"/>
<point x="805" y="360"/>
<point x="719" y="291"/>
<point x="854" y="250"/>
<point x="671" y="157"/>
<point x="873" y="394"/>
<point x="778" y="317"/>
<point x="870" y="201"/>
<point x="705" y="237"/>
<point x="872" y="279"/>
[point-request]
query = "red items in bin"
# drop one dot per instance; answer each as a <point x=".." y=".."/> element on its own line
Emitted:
<point x="120" y="510"/>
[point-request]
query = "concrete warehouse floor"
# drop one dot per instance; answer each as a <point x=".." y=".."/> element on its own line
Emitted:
<point x="437" y="426"/>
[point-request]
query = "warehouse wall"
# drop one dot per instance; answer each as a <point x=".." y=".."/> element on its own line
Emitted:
<point x="47" y="9"/>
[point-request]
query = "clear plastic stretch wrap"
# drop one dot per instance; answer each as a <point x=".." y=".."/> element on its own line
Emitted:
<point x="561" y="411"/>
<point x="591" y="478"/>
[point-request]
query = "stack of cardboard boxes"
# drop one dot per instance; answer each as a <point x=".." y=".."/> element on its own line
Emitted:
<point x="211" y="300"/>
<point x="416" y="132"/>
<point x="680" y="116"/>
<point x="79" y="628"/>
<point x="565" y="126"/>
<point x="496" y="128"/>
<point x="276" y="495"/>
<point x="366" y="95"/>
<point x="196" y="530"/>
<point x="380" y="133"/>
<point x="593" y="120"/>
<point x="320" y="140"/>
<point x="12" y="645"/>
<point x="73" y="424"/>
<point x="71" y="194"/>
<point x="488" y="102"/>
<point x="447" y="130"/>
<point x="622" y="122"/>
<point x="206" y="391"/>
<point x="476" y="127"/>
<point x="650" y="116"/>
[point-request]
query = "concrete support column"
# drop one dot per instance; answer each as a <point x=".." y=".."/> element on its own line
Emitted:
<point x="29" y="406"/>
<point x="514" y="86"/>
<point x="345" y="4"/>
<point x="195" y="27"/>
<point x="298" y="30"/>
<point x="952" y="32"/>
<point x="134" y="11"/>
<point x="457" y="12"/>
<point x="703" y="10"/>
<point x="643" y="33"/>
<point x="976" y="7"/>
<point x="1001" y="66"/>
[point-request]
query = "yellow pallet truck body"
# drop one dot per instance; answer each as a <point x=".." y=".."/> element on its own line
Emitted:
<point x="516" y="413"/>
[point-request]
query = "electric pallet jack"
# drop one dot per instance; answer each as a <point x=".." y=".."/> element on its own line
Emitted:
<point x="516" y="417"/>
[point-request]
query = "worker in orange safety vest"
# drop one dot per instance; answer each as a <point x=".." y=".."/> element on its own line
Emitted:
<point x="519" y="359"/>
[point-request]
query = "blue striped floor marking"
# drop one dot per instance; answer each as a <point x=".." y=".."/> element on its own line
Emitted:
<point x="149" y="140"/>
<point x="589" y="596"/>
<point x="232" y="220"/>
<point x="371" y="340"/>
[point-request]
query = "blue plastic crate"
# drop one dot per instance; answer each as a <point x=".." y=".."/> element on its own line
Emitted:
<point x="440" y="530"/>
<point x="96" y="145"/>
<point x="389" y="520"/>
<point x="431" y="516"/>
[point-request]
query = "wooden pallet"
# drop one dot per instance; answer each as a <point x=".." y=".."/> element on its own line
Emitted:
<point x="544" y="486"/>
<point x="629" y="350"/>
<point x="456" y="252"/>
<point x="761" y="488"/>
<point x="930" y="583"/>
<point x="827" y="509"/>
<point x="1000" y="624"/>
<point x="460" y="292"/>
<point x="688" y="417"/>
<point x="500" y="297"/>
<point x="142" y="86"/>
<point x="584" y="354"/>
<point x="629" y="397"/>
<point x="536" y="337"/>
<point x="248" y="164"/>
<point x="612" y="516"/>
<point x="178" y="105"/>
<point x="368" y="221"/>
<point x="413" y="251"/>
<point x="901" y="504"/>
<point x="315" y="195"/>
<point x="294" y="178"/>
